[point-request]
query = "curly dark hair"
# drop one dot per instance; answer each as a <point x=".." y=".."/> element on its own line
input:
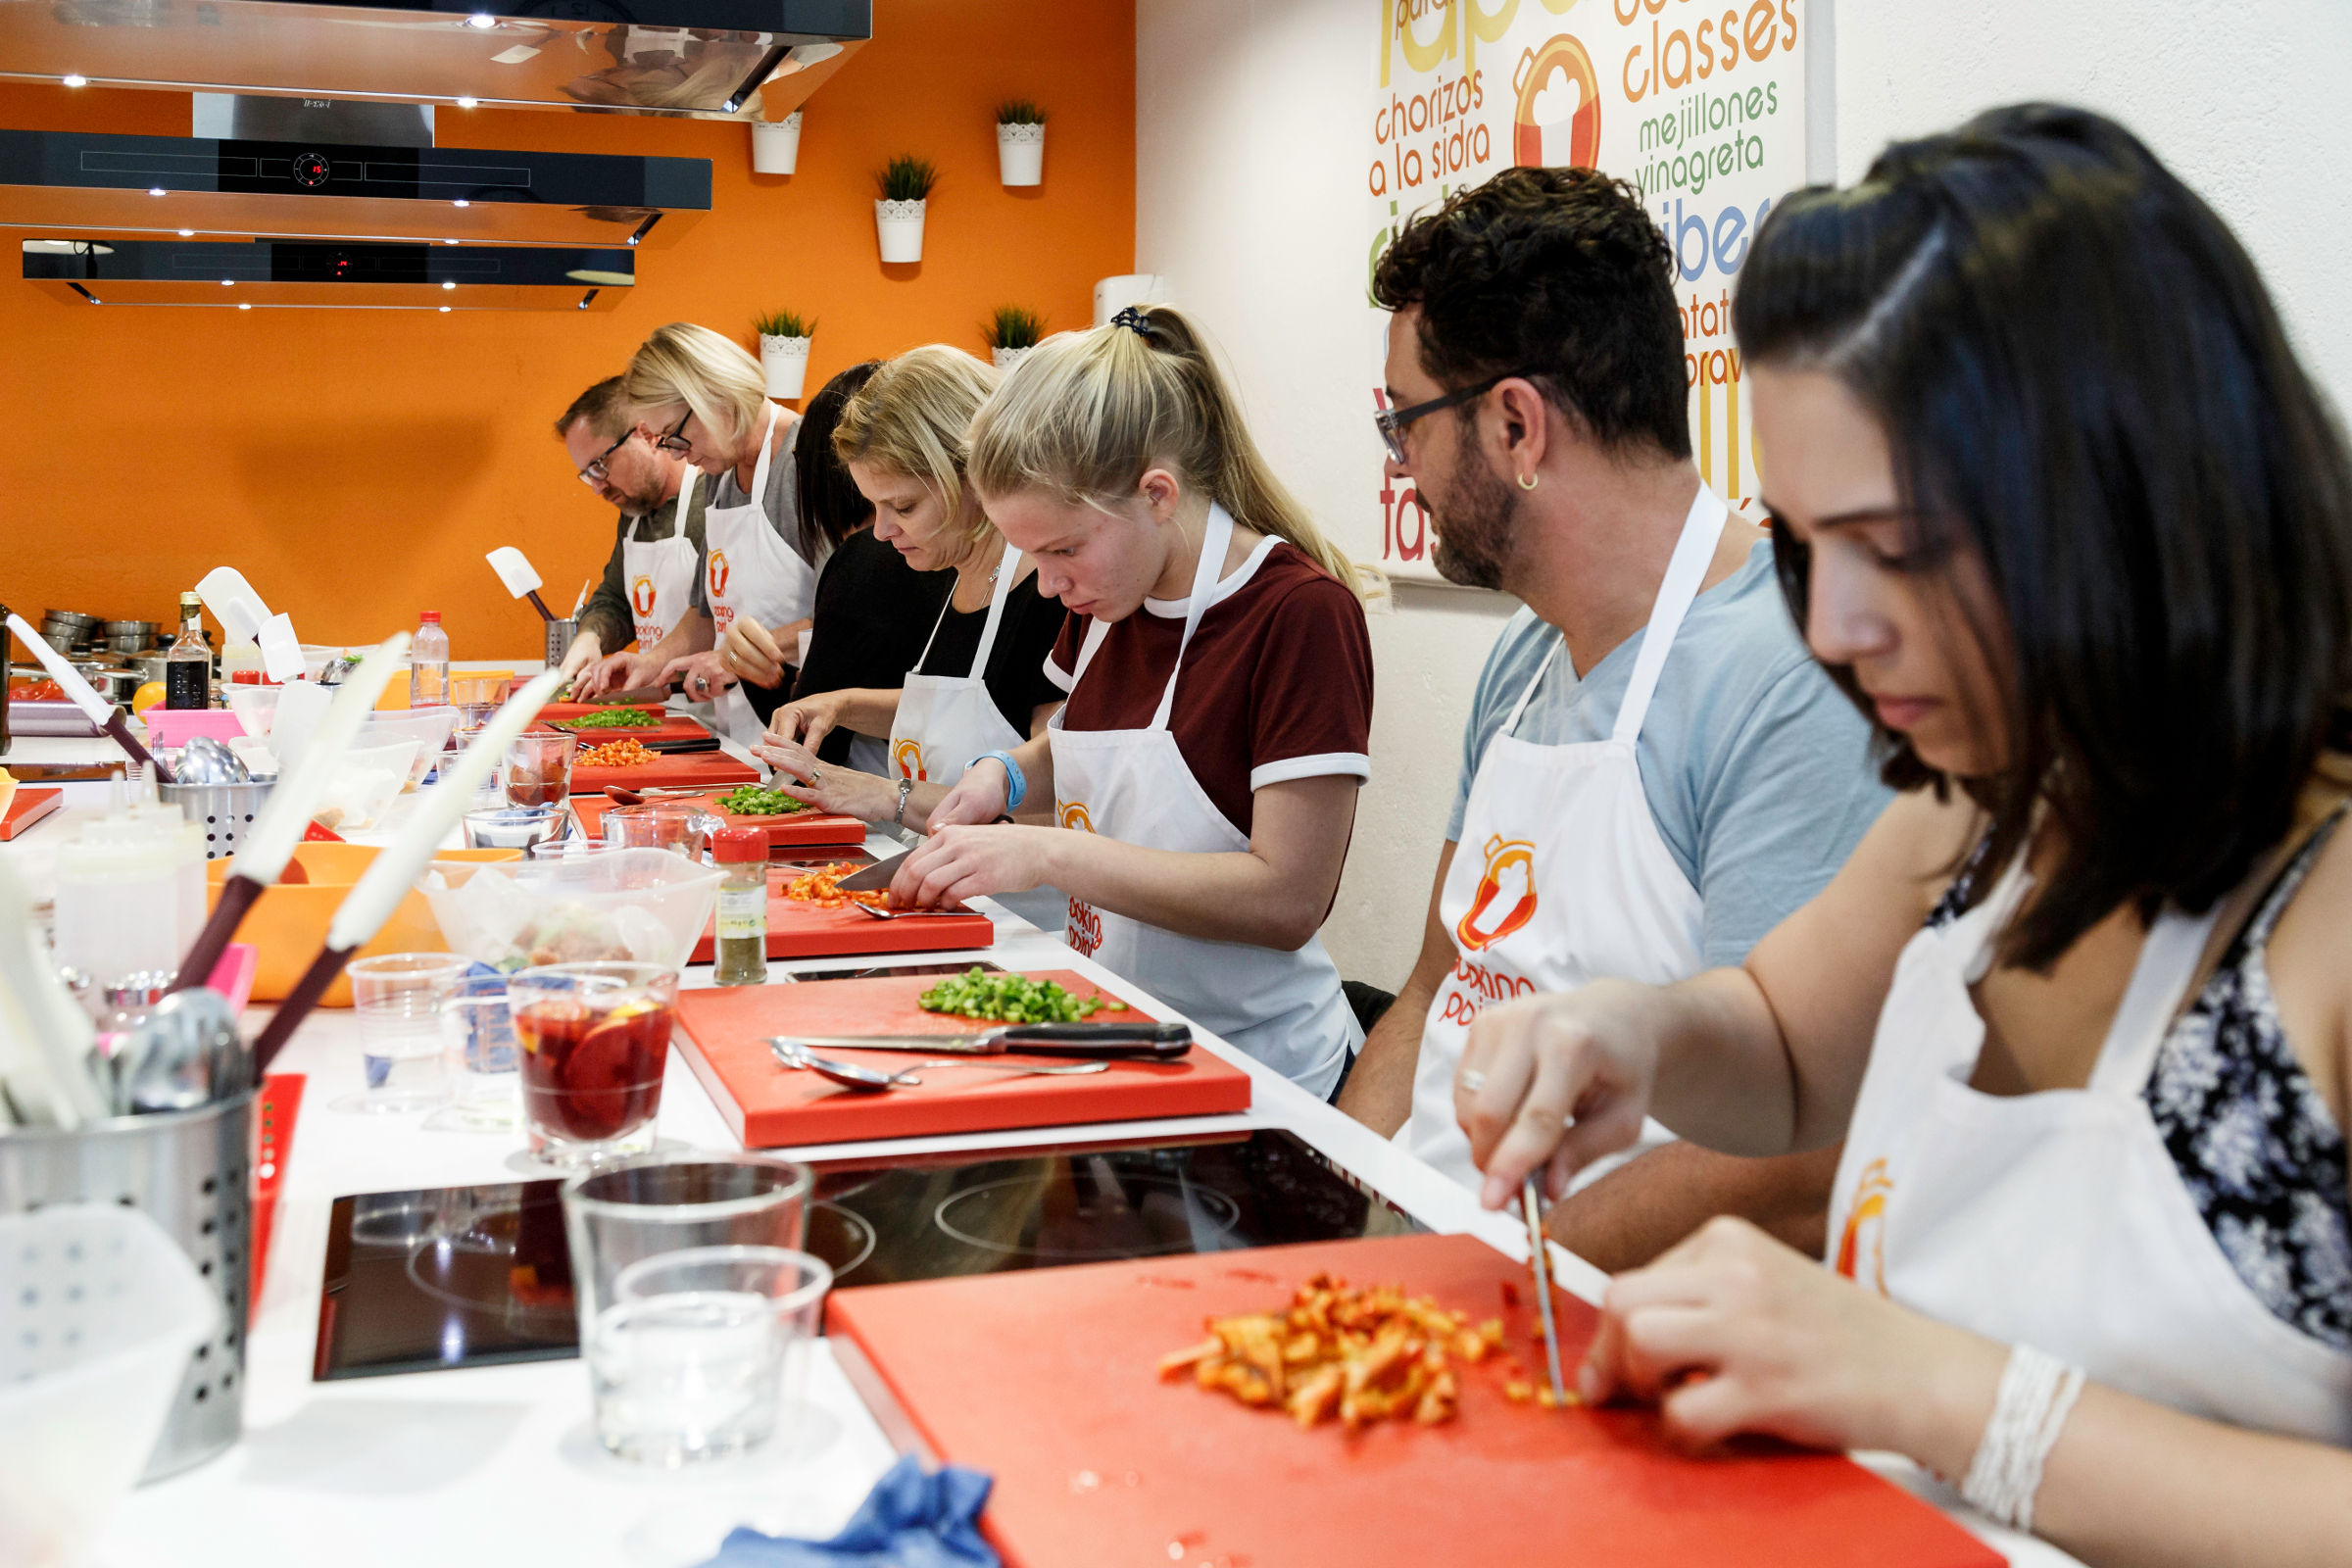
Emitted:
<point x="2086" y="386"/>
<point x="1559" y="269"/>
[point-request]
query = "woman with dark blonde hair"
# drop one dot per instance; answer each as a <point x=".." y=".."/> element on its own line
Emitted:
<point x="1203" y="772"/>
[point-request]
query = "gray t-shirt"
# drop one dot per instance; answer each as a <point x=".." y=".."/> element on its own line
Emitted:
<point x="1756" y="768"/>
<point x="780" y="504"/>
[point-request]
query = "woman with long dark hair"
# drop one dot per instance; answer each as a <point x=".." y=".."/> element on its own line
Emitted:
<point x="2054" y="501"/>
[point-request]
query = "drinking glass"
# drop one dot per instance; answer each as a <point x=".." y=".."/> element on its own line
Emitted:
<point x="475" y="697"/>
<point x="508" y="827"/>
<point x="398" y="1000"/>
<point x="477" y="1033"/>
<point x="537" y="769"/>
<point x="628" y="1211"/>
<point x="593" y="1038"/>
<point x="661" y="825"/>
<point x="702" y="1350"/>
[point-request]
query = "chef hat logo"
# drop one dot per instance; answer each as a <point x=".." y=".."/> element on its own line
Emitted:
<point x="1073" y="814"/>
<point x="1505" y="899"/>
<point x="641" y="595"/>
<point x="718" y="573"/>
<point x="908" y="757"/>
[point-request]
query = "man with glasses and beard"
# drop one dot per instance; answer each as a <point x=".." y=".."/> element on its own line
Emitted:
<point x="649" y="581"/>
<point x="1654" y="771"/>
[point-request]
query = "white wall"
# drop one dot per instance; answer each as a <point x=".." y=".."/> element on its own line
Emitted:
<point x="1248" y="149"/>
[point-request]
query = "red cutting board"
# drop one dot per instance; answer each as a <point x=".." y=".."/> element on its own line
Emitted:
<point x="1098" y="1461"/>
<point x="26" y="807"/>
<point x="714" y="769"/>
<point x="724" y="1032"/>
<point x="672" y="727"/>
<point x="799" y="929"/>
<point x="829" y="828"/>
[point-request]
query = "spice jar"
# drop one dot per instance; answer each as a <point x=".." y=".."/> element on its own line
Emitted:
<point x="741" y="952"/>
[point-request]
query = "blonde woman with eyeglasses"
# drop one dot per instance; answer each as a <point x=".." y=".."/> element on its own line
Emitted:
<point x="1203" y="770"/>
<point x="702" y="397"/>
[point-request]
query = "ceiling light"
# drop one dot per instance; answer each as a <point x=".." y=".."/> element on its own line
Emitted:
<point x="449" y="285"/>
<point x="444" y="310"/>
<point x="187" y="233"/>
<point x="154" y="190"/>
<point x="481" y="18"/>
<point x="243" y="305"/>
<point x="228" y="281"/>
<point x="448" y="242"/>
<point x="460" y="202"/>
<point x="467" y="102"/>
<point x="78" y="80"/>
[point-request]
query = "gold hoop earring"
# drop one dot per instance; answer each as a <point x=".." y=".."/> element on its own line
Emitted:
<point x="1528" y="481"/>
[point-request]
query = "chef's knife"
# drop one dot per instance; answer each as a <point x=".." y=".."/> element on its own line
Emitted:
<point x="1541" y="1260"/>
<point x="877" y="875"/>
<point x="1144" y="1042"/>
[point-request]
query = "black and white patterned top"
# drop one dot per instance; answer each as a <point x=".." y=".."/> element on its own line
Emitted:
<point x="2253" y="1140"/>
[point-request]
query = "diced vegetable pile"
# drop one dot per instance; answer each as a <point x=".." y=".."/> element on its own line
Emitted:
<point x="757" y="800"/>
<point x="1012" y="998"/>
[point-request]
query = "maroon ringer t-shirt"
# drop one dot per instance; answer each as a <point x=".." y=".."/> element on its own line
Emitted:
<point x="1276" y="685"/>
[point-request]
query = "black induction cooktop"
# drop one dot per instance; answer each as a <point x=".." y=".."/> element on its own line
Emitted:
<point x="476" y="1276"/>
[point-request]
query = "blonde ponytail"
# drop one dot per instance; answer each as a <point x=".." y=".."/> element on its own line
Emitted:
<point x="1085" y="414"/>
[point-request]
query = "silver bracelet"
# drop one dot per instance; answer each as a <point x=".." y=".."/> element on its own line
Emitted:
<point x="2037" y="1393"/>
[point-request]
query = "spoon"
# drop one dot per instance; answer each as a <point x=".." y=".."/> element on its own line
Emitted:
<point x="871" y="1080"/>
<point x="205" y="760"/>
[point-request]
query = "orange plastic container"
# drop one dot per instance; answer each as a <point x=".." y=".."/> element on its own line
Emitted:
<point x="287" y="924"/>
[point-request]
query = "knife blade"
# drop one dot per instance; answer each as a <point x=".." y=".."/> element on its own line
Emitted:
<point x="1145" y="1042"/>
<point x="1542" y="1262"/>
<point x="880" y="874"/>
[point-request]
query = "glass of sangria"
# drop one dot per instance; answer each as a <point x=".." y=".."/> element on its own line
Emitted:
<point x="538" y="768"/>
<point x="592" y="1040"/>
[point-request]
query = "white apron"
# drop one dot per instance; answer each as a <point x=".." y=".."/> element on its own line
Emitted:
<point x="943" y="722"/>
<point x="1560" y="876"/>
<point x="747" y="569"/>
<point x="660" y="572"/>
<point x="1284" y="1008"/>
<point x="2058" y="1218"/>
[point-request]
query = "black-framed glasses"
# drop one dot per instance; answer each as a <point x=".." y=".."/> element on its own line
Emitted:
<point x="675" y="438"/>
<point x="596" y="473"/>
<point x="1392" y="422"/>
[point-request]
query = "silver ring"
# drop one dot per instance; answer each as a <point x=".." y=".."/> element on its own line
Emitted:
<point x="816" y="777"/>
<point x="1470" y="1080"/>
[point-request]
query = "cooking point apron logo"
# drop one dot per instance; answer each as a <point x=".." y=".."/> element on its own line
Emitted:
<point x="715" y="578"/>
<point x="1866" y="1226"/>
<point x="641" y="595"/>
<point x="908" y="756"/>
<point x="1506" y="895"/>
<point x="1557" y="124"/>
<point x="1073" y="814"/>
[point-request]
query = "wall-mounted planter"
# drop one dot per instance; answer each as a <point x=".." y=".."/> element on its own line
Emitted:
<point x="785" y="363"/>
<point x="776" y="144"/>
<point x="1022" y="153"/>
<point x="899" y="226"/>
<point x="1006" y="359"/>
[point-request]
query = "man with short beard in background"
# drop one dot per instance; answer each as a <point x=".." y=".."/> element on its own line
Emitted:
<point x="1655" y="771"/>
<point x="649" y="580"/>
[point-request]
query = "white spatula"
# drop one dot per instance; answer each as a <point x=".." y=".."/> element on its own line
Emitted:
<point x="519" y="576"/>
<point x="103" y="714"/>
<point x="244" y="617"/>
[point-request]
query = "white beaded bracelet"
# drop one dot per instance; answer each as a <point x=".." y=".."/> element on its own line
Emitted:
<point x="2037" y="1393"/>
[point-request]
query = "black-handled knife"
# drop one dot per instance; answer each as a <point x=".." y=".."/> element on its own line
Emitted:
<point x="1125" y="1042"/>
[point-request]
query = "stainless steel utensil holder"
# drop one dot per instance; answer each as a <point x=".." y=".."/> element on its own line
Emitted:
<point x="224" y="811"/>
<point x="190" y="1172"/>
<point x="560" y="634"/>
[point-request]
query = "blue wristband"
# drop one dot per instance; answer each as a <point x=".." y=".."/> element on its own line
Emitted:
<point x="1017" y="783"/>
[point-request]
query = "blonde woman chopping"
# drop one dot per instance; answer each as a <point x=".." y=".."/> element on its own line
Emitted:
<point x="1203" y="772"/>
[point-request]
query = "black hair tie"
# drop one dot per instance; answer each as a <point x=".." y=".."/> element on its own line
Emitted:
<point x="1133" y="319"/>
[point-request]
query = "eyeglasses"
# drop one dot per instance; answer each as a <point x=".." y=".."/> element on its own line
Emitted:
<point x="596" y="473"/>
<point x="674" y="439"/>
<point x="1392" y="422"/>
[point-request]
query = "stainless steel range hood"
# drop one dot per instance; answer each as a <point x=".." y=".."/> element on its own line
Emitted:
<point x="702" y="59"/>
<point x="83" y="184"/>
<point x="279" y="274"/>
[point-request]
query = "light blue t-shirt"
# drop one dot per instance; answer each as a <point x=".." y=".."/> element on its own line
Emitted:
<point x="1756" y="768"/>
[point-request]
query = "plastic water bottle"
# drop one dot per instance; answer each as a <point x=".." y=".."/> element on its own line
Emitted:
<point x="429" y="663"/>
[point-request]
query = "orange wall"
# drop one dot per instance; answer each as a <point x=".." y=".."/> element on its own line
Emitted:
<point x="356" y="464"/>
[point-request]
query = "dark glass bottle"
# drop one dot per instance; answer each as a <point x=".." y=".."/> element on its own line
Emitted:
<point x="188" y="666"/>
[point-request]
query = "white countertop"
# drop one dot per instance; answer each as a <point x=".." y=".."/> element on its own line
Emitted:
<point x="498" y="1465"/>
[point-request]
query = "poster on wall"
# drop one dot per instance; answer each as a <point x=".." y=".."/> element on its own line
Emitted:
<point x="1698" y="104"/>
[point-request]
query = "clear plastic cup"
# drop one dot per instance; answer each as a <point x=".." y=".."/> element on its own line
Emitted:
<point x="679" y="1366"/>
<point x="480" y="1061"/>
<point x="398" y="999"/>
<point x="508" y="827"/>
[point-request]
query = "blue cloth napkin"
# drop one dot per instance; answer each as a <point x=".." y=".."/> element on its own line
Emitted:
<point x="909" y="1520"/>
